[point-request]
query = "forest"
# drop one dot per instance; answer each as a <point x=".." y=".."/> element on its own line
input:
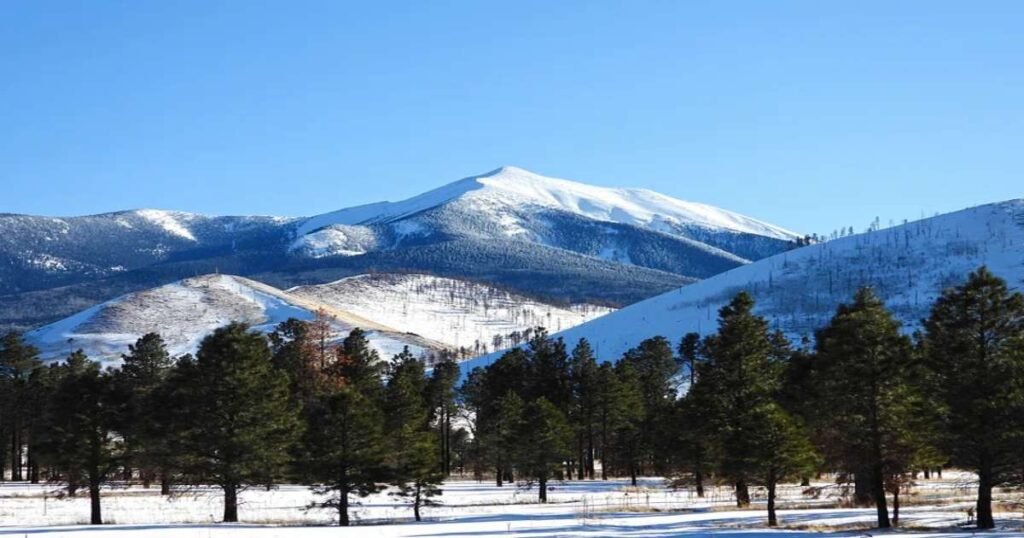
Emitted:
<point x="863" y="402"/>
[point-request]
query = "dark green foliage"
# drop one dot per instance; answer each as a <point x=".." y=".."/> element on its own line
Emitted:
<point x="241" y="419"/>
<point x="344" y="447"/>
<point x="80" y="445"/>
<point x="413" y="455"/>
<point x="974" y="348"/>
<point x="543" y="444"/>
<point x="143" y="370"/>
<point x="871" y="404"/>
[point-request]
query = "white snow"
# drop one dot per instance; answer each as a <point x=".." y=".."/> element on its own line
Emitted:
<point x="455" y="312"/>
<point x="184" y="312"/>
<point x="577" y="509"/>
<point x="169" y="221"/>
<point x="511" y="187"/>
<point x="798" y="291"/>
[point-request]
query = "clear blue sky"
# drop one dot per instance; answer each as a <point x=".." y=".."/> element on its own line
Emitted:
<point x="811" y="115"/>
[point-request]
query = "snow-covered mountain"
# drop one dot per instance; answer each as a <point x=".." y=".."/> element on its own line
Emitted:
<point x="540" y="236"/>
<point x="799" y="290"/>
<point x="186" y="311"/>
<point x="458" y="313"/>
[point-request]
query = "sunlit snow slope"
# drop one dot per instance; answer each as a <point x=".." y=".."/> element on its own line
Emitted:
<point x="458" y="313"/>
<point x="186" y="311"/>
<point x="798" y="291"/>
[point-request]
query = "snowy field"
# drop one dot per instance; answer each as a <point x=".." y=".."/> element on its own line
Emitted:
<point x="481" y="510"/>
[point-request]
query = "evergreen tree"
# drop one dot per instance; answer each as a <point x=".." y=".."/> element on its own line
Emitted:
<point x="17" y="361"/>
<point x="142" y="370"/>
<point x="584" y="416"/>
<point x="866" y="374"/>
<point x="80" y="443"/>
<point x="543" y="444"/>
<point x="344" y="447"/>
<point x="784" y="451"/>
<point x="242" y="419"/>
<point x="441" y="396"/>
<point x="624" y="448"/>
<point x="738" y="377"/>
<point x="413" y="456"/>
<point x="974" y="346"/>
<point x="655" y="369"/>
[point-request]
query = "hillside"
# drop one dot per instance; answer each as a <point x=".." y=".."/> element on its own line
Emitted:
<point x="562" y="240"/>
<point x="458" y="313"/>
<point x="798" y="291"/>
<point x="186" y="311"/>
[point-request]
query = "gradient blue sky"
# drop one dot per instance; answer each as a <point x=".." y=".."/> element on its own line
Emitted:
<point x="811" y="115"/>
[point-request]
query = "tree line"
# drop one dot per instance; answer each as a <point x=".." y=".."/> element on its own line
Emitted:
<point x="742" y="407"/>
<point x="247" y="410"/>
<point x="745" y="407"/>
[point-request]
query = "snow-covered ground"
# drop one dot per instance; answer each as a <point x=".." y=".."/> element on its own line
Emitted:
<point x="472" y="509"/>
<point x="186" y="311"/>
<point x="798" y="291"/>
<point x="456" y="312"/>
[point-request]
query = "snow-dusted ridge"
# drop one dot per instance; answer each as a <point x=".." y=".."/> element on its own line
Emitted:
<point x="798" y="290"/>
<point x="510" y="186"/>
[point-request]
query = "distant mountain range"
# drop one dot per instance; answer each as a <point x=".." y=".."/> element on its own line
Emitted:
<point x="557" y="240"/>
<point x="798" y="291"/>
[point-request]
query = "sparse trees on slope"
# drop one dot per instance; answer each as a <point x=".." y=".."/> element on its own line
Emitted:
<point x="974" y="345"/>
<point x="242" y="419"/>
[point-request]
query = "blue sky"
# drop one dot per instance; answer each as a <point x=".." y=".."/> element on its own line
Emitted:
<point x="811" y="115"/>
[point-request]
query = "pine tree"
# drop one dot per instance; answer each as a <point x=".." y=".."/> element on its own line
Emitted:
<point x="441" y="396"/>
<point x="738" y="377"/>
<point x="413" y="456"/>
<point x="974" y="347"/>
<point x="543" y="444"/>
<point x="584" y="416"/>
<point x="867" y="380"/>
<point x="344" y="446"/>
<point x="784" y="450"/>
<point x="242" y="419"/>
<point x="142" y="370"/>
<point x="80" y="443"/>
<point x="18" y="360"/>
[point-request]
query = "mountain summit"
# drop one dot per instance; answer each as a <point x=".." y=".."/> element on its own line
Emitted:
<point x="552" y="238"/>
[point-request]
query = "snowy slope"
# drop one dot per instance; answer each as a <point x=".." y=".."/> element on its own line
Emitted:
<point x="458" y="313"/>
<point x="543" y="237"/>
<point x="509" y="189"/>
<point x="798" y="291"/>
<point x="186" y="311"/>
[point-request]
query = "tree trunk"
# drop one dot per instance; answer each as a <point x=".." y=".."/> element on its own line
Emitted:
<point x="95" y="516"/>
<point x="343" y="506"/>
<point x="416" y="504"/>
<point x="881" y="501"/>
<point x="772" y="520"/>
<point x="896" y="506"/>
<point x="862" y="488"/>
<point x="985" y="519"/>
<point x="543" y="487"/>
<point x="742" y="494"/>
<point x="698" y="477"/>
<point x="165" y="482"/>
<point x="15" y="455"/>
<point x="632" y="474"/>
<point x="231" y="503"/>
<point x="498" y="476"/>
